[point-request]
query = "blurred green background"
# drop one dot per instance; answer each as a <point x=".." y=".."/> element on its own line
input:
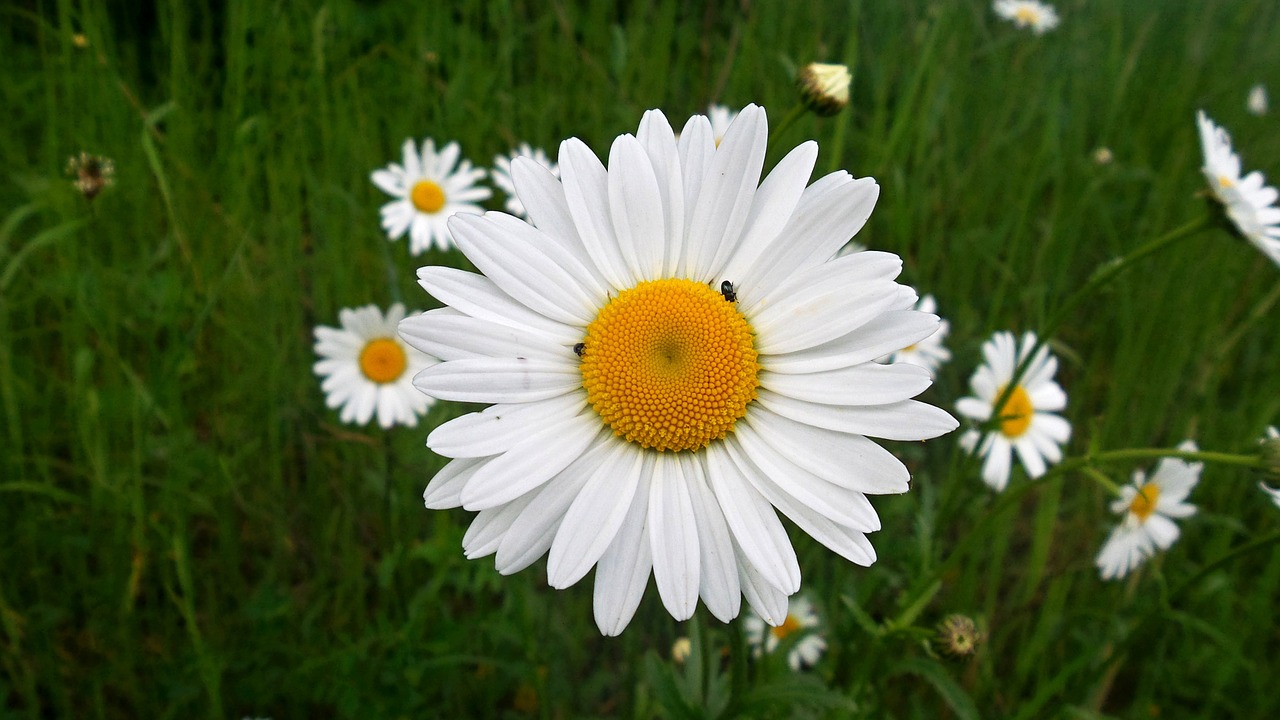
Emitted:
<point x="186" y="530"/>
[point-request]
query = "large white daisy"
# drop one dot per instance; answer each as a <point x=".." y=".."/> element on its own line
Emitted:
<point x="367" y="368"/>
<point x="429" y="189"/>
<point x="501" y="174"/>
<point x="1039" y="17"/>
<point x="672" y="353"/>
<point x="929" y="353"/>
<point x="801" y="626"/>
<point x="1149" y="508"/>
<point x="1028" y="424"/>
<point x="1249" y="201"/>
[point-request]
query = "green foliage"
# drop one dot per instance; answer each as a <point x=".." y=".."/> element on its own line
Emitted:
<point x="187" y="531"/>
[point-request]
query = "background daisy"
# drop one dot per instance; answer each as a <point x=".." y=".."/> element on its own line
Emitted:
<point x="1030" y="426"/>
<point x="929" y="353"/>
<point x="721" y="118"/>
<point x="1149" y="508"/>
<point x="501" y="174"/>
<point x="673" y="354"/>
<point x="1039" y="17"/>
<point x="366" y="368"/>
<point x="429" y="189"/>
<point x="800" y="626"/>
<point x="1249" y="201"/>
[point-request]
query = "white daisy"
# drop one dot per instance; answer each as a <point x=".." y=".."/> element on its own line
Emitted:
<point x="1249" y="201"/>
<point x="1271" y="450"/>
<point x="800" y="625"/>
<point x="1028" y="424"/>
<point x="1039" y="17"/>
<point x="672" y="353"/>
<point x="929" y="352"/>
<point x="501" y="174"/>
<point x="1257" y="101"/>
<point x="429" y="189"/>
<point x="721" y="118"/>
<point x="366" y="367"/>
<point x="1149" y="508"/>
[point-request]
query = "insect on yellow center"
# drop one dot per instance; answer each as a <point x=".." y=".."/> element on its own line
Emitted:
<point x="1017" y="413"/>
<point x="670" y="364"/>
<point x="788" y="626"/>
<point x="427" y="196"/>
<point x="383" y="360"/>
<point x="1144" y="503"/>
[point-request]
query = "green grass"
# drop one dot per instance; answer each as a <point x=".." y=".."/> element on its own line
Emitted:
<point x="186" y="530"/>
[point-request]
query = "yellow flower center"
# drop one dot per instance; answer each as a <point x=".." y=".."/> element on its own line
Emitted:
<point x="1225" y="182"/>
<point x="788" y="626"/>
<point x="1016" y="416"/>
<point x="383" y="360"/>
<point x="427" y="196"/>
<point x="670" y="364"/>
<point x="1144" y="503"/>
<point x="1027" y="15"/>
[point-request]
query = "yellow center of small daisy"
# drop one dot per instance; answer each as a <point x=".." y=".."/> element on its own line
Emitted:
<point x="1016" y="416"/>
<point x="1225" y="182"/>
<point x="788" y="626"/>
<point x="427" y="196"/>
<point x="670" y="364"/>
<point x="1144" y="503"/>
<point x="1027" y="15"/>
<point x="383" y="360"/>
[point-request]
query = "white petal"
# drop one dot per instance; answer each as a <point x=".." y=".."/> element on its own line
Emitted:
<point x="769" y="602"/>
<point x="718" y="565"/>
<point x="450" y="335"/>
<point x="498" y="428"/>
<point x="477" y="296"/>
<point x="530" y="462"/>
<point x="635" y="203"/>
<point x="498" y="380"/>
<point x="593" y="519"/>
<point x="623" y="572"/>
<point x="866" y="384"/>
<point x="724" y="201"/>
<point x="586" y="189"/>
<point x="659" y="142"/>
<point x="905" y="420"/>
<point x="445" y="489"/>
<point x="850" y="461"/>
<point x="673" y="535"/>
<point x="486" y="531"/>
<point x="772" y="207"/>
<point x="751" y="518"/>
<point x="816" y="314"/>
<point x="890" y="332"/>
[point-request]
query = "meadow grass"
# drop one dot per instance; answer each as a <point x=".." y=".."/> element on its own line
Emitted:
<point x="186" y="530"/>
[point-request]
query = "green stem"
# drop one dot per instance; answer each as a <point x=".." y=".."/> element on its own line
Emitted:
<point x="781" y="128"/>
<point x="1101" y="478"/>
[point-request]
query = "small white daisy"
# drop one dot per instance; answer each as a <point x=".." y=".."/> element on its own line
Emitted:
<point x="1257" y="101"/>
<point x="429" y="189"/>
<point x="1271" y="442"/>
<point x="1249" y="201"/>
<point x="929" y="352"/>
<point x="1028" y="424"/>
<point x="721" y="118"/>
<point x="366" y="367"/>
<point x="800" y="625"/>
<point x="501" y="174"/>
<point x="1039" y="17"/>
<point x="1149" y="508"/>
<point x="673" y="354"/>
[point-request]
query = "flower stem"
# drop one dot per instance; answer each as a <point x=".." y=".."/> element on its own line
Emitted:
<point x="781" y="128"/>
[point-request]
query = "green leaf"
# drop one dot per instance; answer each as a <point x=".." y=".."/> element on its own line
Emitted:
<point x="936" y="675"/>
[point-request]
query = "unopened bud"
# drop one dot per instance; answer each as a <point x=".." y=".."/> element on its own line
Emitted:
<point x="824" y="89"/>
<point x="958" y="636"/>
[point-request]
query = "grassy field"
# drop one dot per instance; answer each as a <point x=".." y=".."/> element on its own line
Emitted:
<point x="187" y="531"/>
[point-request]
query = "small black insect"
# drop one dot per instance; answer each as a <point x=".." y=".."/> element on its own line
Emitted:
<point x="578" y="348"/>
<point x="726" y="289"/>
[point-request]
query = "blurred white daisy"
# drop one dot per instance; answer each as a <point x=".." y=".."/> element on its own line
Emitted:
<point x="501" y="174"/>
<point x="1149" y="508"/>
<point x="673" y="355"/>
<point x="1039" y="17"/>
<point x="1257" y="101"/>
<point x="721" y="118"/>
<point x="1248" y="201"/>
<point x="1271" y="451"/>
<point x="929" y="353"/>
<point x="429" y="189"/>
<point x="367" y="368"/>
<point x="801" y="626"/>
<point x="1028" y="424"/>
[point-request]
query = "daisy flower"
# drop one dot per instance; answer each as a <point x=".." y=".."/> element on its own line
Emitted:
<point x="1039" y="17"/>
<point x="1249" y="201"/>
<point x="929" y="352"/>
<point x="1257" y="103"/>
<point x="501" y="174"/>
<point x="1149" y="508"/>
<point x="366" y="367"/>
<point x="721" y="118"/>
<point x="1028" y="424"/>
<point x="672" y="355"/>
<point x="1271" y="451"/>
<point x="801" y="622"/>
<point x="429" y="189"/>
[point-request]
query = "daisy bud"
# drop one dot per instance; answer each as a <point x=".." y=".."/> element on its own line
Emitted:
<point x="681" y="649"/>
<point x="824" y="89"/>
<point x="1257" y="101"/>
<point x="958" y="636"/>
<point x="1103" y="156"/>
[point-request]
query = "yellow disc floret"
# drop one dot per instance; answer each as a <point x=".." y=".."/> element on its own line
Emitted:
<point x="383" y="360"/>
<point x="1016" y="416"/>
<point x="788" y="627"/>
<point x="427" y="196"/>
<point x="670" y="364"/>
<point x="1144" y="503"/>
